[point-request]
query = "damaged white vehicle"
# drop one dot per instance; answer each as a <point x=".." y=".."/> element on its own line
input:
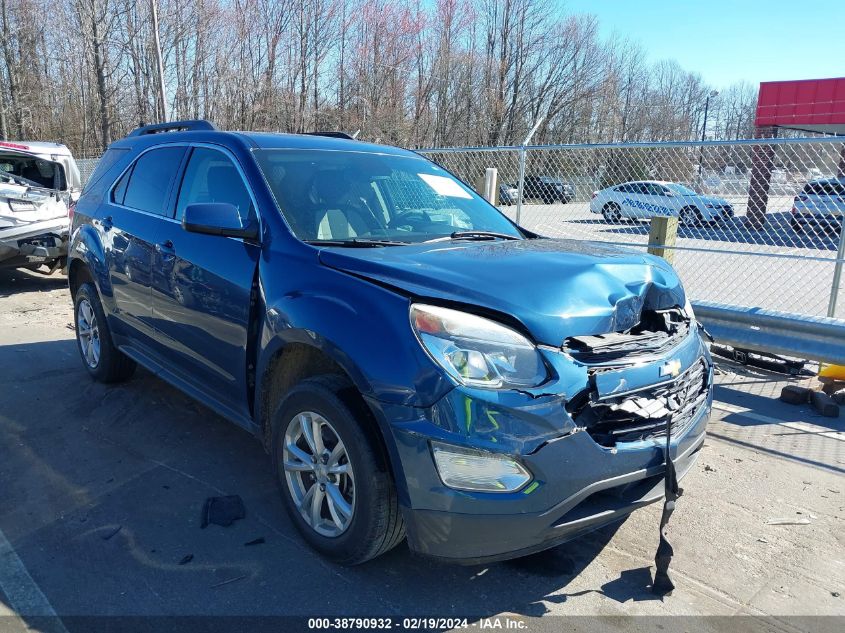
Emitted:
<point x="39" y="184"/>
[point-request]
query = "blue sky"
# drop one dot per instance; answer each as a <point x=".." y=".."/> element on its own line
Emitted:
<point x="728" y="41"/>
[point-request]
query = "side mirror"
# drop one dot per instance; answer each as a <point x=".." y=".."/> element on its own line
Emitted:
<point x="217" y="218"/>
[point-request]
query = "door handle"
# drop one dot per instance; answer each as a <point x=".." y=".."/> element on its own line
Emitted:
<point x="165" y="247"/>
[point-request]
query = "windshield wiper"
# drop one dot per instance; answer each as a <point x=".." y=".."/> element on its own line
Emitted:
<point x="356" y="242"/>
<point x="478" y="235"/>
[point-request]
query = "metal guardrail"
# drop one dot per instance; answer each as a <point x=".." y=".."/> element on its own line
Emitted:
<point x="810" y="338"/>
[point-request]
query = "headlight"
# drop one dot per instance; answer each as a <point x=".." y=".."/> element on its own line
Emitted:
<point x="476" y="351"/>
<point x="466" y="469"/>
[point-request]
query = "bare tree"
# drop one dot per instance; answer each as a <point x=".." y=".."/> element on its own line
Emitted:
<point x="414" y="72"/>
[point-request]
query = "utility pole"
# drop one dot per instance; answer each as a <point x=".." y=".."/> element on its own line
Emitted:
<point x="713" y="94"/>
<point x="162" y="98"/>
<point x="523" y="154"/>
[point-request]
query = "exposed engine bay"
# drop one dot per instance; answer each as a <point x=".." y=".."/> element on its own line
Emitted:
<point x="656" y="331"/>
<point x="643" y="413"/>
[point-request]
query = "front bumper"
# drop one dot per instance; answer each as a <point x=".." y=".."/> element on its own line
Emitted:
<point x="578" y="485"/>
<point x="475" y="538"/>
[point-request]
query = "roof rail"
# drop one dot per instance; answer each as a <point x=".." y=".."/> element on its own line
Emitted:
<point x="331" y="135"/>
<point x="173" y="126"/>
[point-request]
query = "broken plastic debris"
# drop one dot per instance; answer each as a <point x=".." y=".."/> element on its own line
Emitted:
<point x="111" y="532"/>
<point x="226" y="582"/>
<point x="222" y="510"/>
<point x="788" y="522"/>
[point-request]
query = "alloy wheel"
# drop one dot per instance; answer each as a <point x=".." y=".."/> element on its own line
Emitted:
<point x="319" y="474"/>
<point x="611" y="212"/>
<point x="88" y="333"/>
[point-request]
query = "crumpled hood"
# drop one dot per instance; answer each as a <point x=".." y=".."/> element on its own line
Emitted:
<point x="555" y="288"/>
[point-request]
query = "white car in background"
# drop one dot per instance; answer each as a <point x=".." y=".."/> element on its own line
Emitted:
<point x="644" y="199"/>
<point x="821" y="203"/>
<point x="38" y="184"/>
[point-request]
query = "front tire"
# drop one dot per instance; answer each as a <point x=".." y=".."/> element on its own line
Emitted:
<point x="333" y="475"/>
<point x="104" y="362"/>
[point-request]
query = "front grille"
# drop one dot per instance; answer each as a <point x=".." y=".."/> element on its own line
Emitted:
<point x="645" y="414"/>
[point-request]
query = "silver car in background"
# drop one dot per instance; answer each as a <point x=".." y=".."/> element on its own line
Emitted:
<point x="39" y="183"/>
<point x="821" y="204"/>
<point x="642" y="200"/>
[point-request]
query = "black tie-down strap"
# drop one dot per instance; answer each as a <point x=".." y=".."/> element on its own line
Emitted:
<point x="663" y="585"/>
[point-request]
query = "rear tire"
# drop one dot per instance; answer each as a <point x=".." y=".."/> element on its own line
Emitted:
<point x="612" y="213"/>
<point x="357" y="514"/>
<point x="690" y="216"/>
<point x="104" y="362"/>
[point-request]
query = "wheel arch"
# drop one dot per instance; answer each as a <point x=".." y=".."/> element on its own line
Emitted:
<point x="292" y="361"/>
<point x="78" y="273"/>
<point x="86" y="257"/>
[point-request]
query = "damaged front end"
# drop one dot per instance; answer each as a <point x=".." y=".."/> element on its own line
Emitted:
<point x="625" y="401"/>
<point x="33" y="215"/>
<point x="620" y="416"/>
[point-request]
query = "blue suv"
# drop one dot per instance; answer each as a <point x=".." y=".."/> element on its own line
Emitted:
<point x="415" y="364"/>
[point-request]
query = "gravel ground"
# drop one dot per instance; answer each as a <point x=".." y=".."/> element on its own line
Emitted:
<point x="80" y="460"/>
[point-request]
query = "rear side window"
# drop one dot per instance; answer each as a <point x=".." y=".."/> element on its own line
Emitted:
<point x="212" y="177"/>
<point x="151" y="179"/>
<point x="105" y="163"/>
<point x="119" y="191"/>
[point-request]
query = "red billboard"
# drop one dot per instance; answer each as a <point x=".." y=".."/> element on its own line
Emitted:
<point x="815" y="105"/>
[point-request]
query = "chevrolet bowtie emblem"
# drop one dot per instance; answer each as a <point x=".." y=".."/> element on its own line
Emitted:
<point x="671" y="368"/>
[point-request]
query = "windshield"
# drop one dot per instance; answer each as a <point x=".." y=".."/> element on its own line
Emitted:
<point x="346" y="195"/>
<point x="684" y="191"/>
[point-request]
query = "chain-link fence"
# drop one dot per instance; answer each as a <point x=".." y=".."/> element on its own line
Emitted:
<point x="760" y="222"/>
<point x="86" y="167"/>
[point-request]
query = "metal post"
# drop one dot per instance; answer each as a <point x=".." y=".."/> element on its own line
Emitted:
<point x="523" y="150"/>
<point x="837" y="272"/>
<point x="491" y="188"/>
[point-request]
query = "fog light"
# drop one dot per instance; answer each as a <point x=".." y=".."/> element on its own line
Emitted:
<point x="467" y="469"/>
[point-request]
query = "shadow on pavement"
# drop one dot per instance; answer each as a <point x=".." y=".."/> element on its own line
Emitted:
<point x="15" y="281"/>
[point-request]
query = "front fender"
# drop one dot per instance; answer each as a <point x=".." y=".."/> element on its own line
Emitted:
<point x="363" y="327"/>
